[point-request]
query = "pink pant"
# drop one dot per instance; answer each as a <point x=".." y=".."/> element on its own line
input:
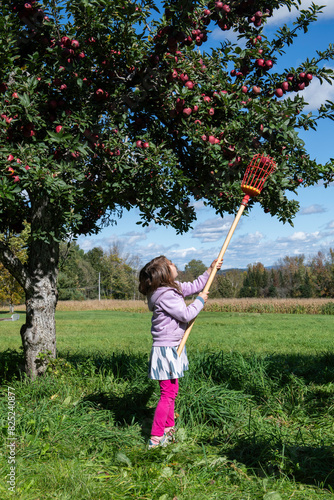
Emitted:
<point x="164" y="412"/>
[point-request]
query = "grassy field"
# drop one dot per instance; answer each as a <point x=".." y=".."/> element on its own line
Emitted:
<point x="255" y="411"/>
<point x="108" y="331"/>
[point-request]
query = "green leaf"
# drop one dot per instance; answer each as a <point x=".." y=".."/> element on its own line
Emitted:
<point x="121" y="457"/>
<point x="272" y="495"/>
<point x="24" y="100"/>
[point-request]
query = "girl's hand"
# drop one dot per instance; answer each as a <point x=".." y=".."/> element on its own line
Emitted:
<point x="204" y="295"/>
<point x="219" y="265"/>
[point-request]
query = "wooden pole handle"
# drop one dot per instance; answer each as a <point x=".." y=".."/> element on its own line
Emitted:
<point x="214" y="270"/>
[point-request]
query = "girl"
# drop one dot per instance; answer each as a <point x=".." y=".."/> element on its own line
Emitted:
<point x="169" y="322"/>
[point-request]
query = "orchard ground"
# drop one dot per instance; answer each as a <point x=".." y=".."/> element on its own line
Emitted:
<point x="255" y="411"/>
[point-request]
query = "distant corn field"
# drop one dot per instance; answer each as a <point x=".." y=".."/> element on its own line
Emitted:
<point x="281" y="306"/>
<point x="244" y="305"/>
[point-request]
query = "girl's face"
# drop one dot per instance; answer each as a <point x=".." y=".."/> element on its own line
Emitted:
<point x="173" y="270"/>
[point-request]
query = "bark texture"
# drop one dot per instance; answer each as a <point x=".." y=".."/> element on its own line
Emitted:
<point x="39" y="280"/>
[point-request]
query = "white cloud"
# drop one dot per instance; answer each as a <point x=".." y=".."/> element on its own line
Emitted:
<point x="283" y="15"/>
<point x="133" y="237"/>
<point x="212" y="229"/>
<point x="280" y="17"/>
<point x="232" y="36"/>
<point x="199" y="205"/>
<point x="182" y="252"/>
<point x="299" y="236"/>
<point x="313" y="209"/>
<point x="317" y="94"/>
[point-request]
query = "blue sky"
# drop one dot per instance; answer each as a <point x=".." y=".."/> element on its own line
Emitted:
<point x="258" y="237"/>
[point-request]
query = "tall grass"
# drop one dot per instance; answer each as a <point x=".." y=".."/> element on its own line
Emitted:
<point x="255" y="411"/>
<point x="249" y="427"/>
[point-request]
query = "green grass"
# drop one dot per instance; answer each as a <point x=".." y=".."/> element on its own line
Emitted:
<point x="108" y="331"/>
<point x="256" y="411"/>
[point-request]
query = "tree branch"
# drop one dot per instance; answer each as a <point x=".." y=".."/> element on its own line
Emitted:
<point x="14" y="265"/>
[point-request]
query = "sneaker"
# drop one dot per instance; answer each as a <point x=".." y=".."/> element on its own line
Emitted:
<point x="170" y="435"/>
<point x="163" y="442"/>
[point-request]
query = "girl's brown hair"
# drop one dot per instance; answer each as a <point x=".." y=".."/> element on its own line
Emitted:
<point x="156" y="273"/>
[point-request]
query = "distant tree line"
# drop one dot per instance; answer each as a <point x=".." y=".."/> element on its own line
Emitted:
<point x="108" y="274"/>
<point x="291" y="277"/>
<point x="113" y="274"/>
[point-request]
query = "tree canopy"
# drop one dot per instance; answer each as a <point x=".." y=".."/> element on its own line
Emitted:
<point x="105" y="106"/>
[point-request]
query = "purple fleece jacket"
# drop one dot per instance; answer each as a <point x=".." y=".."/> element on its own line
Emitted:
<point x="170" y="312"/>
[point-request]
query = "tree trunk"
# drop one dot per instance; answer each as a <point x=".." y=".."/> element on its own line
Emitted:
<point x="39" y="332"/>
<point x="39" y="280"/>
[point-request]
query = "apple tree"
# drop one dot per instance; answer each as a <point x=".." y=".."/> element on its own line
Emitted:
<point x="108" y="105"/>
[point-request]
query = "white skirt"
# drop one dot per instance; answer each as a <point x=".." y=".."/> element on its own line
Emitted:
<point x="166" y="364"/>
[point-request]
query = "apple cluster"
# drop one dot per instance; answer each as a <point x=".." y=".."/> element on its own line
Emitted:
<point x="11" y="170"/>
<point x="225" y="14"/>
<point x="294" y="83"/>
<point x="29" y="13"/>
<point x="16" y="128"/>
<point x="70" y="49"/>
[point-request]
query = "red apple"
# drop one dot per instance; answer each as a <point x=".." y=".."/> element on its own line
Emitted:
<point x="244" y="89"/>
<point x="189" y="84"/>
<point x="211" y="111"/>
<point x="256" y="90"/>
<point x="145" y="146"/>
<point x="65" y="41"/>
<point x="59" y="128"/>
<point x="279" y="92"/>
<point x="139" y="144"/>
<point x="285" y="86"/>
<point x="187" y="111"/>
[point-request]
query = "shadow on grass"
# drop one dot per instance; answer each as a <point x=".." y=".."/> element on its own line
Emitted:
<point x="11" y="365"/>
<point x="129" y="405"/>
<point x="305" y="464"/>
<point x="128" y="409"/>
<point x="304" y="382"/>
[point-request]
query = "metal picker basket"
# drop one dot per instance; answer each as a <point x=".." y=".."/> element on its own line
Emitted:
<point x="256" y="174"/>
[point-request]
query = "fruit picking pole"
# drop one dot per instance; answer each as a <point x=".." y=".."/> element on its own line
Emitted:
<point x="258" y="170"/>
<point x="214" y="270"/>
